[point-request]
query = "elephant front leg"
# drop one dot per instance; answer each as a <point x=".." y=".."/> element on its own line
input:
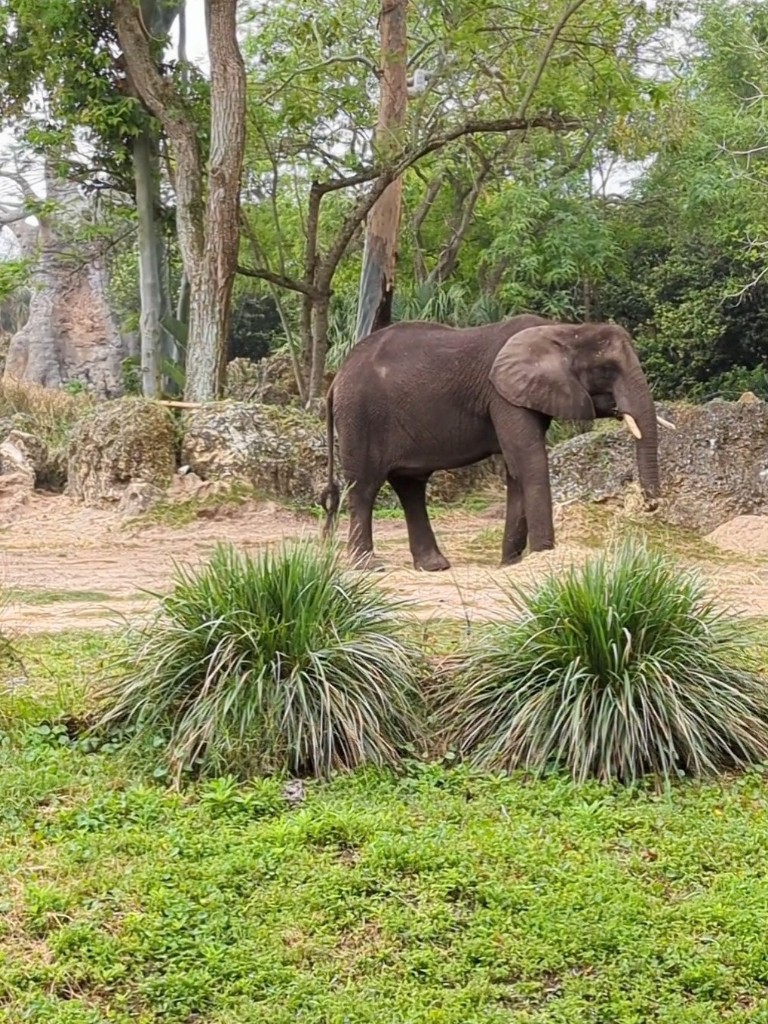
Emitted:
<point x="538" y="512"/>
<point x="421" y="538"/>
<point x="360" y="541"/>
<point x="516" y="525"/>
<point x="522" y="437"/>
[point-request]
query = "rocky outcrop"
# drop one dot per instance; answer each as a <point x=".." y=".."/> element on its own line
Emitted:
<point x="281" y="452"/>
<point x="17" y="474"/>
<point x="124" y="442"/>
<point x="39" y="420"/>
<point x="713" y="467"/>
<point x="16" y="462"/>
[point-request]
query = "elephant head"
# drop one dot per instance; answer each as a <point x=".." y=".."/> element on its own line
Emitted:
<point x="581" y="372"/>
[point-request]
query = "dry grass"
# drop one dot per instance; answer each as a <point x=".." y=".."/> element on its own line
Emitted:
<point x="49" y="407"/>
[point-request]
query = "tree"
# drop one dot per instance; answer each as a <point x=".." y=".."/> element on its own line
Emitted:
<point x="692" y="280"/>
<point x="207" y="222"/>
<point x="156" y="341"/>
<point x="64" y="94"/>
<point x="377" y="280"/>
<point x="582" y="70"/>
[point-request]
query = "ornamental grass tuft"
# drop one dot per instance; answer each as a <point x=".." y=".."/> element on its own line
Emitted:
<point x="277" y="663"/>
<point x="619" y="669"/>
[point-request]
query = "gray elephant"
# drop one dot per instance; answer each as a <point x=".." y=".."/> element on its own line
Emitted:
<point x="416" y="397"/>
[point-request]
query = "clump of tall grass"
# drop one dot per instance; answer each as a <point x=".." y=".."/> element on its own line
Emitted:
<point x="280" y="662"/>
<point x="49" y="414"/>
<point x="618" y="669"/>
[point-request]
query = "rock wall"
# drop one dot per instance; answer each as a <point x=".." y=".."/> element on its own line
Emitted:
<point x="713" y="467"/>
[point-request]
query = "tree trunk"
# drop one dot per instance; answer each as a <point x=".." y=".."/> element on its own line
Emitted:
<point x="319" y="350"/>
<point x="211" y="286"/>
<point x="377" y="280"/>
<point x="208" y="235"/>
<point x="154" y="299"/>
<point x="587" y="296"/>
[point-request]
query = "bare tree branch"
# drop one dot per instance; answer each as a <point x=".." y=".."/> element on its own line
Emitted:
<point x="546" y="53"/>
<point x="281" y="280"/>
<point x="408" y="157"/>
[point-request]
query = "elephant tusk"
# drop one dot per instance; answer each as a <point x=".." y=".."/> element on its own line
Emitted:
<point x="665" y="423"/>
<point x="632" y="427"/>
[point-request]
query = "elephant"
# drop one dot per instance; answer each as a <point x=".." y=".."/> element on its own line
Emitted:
<point x="415" y="397"/>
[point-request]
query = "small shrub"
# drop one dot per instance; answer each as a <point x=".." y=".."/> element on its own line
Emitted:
<point x="618" y="669"/>
<point x="267" y="664"/>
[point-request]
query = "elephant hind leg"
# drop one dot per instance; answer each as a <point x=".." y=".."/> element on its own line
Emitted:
<point x="362" y="496"/>
<point x="412" y="493"/>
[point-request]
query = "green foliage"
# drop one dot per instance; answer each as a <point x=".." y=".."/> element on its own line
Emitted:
<point x="617" y="669"/>
<point x="427" y="895"/>
<point x="14" y="274"/>
<point x="130" y="370"/>
<point x="450" y="303"/>
<point x="254" y="328"/>
<point x="275" y="663"/>
<point x="66" y="51"/>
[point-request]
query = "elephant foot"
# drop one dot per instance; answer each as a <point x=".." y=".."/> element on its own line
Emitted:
<point x="507" y="560"/>
<point x="432" y="562"/>
<point x="366" y="561"/>
<point x="546" y="545"/>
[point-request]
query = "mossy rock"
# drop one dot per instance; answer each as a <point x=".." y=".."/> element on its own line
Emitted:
<point x="121" y="442"/>
<point x="281" y="452"/>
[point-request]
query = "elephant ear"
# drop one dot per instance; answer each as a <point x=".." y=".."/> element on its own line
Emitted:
<point x="533" y="370"/>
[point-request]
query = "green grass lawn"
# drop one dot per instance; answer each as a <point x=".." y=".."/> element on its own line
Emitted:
<point x="433" y="895"/>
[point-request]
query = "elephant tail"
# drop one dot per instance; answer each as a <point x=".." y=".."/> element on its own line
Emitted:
<point x="331" y="496"/>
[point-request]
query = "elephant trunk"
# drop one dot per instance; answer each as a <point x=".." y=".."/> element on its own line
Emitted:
<point x="633" y="396"/>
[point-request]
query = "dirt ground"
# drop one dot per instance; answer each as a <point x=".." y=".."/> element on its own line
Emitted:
<point x="70" y="567"/>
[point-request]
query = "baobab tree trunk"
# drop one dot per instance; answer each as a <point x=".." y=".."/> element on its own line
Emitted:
<point x="377" y="280"/>
<point x="70" y="334"/>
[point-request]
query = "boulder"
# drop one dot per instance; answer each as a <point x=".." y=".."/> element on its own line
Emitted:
<point x="16" y="464"/>
<point x="713" y="467"/>
<point x="39" y="421"/>
<point x="281" y="452"/>
<point x="46" y="466"/>
<point x="122" y="442"/>
<point x="17" y="478"/>
<point x="138" y="497"/>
